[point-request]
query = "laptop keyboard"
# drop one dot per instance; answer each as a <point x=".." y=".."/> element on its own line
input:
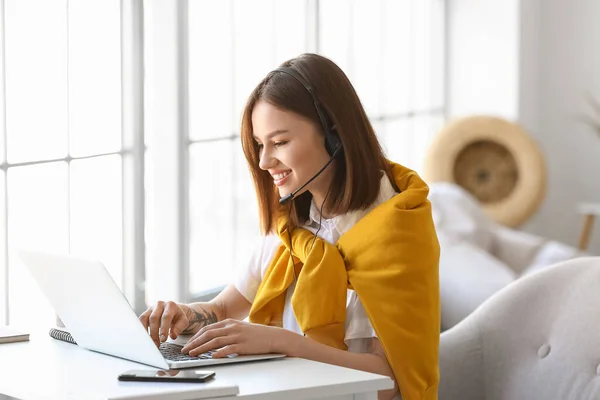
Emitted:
<point x="172" y="352"/>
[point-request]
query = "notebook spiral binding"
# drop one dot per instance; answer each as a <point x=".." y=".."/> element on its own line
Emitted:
<point x="62" y="335"/>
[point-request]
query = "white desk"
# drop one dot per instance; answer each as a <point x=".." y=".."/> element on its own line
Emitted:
<point x="44" y="368"/>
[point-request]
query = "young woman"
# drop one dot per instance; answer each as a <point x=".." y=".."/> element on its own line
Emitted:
<point x="347" y="272"/>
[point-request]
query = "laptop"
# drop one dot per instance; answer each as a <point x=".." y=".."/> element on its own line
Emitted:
<point x="99" y="317"/>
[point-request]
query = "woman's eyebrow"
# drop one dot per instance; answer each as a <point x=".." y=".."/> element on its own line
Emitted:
<point x="273" y="134"/>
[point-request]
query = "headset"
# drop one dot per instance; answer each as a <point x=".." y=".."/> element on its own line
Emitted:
<point x="333" y="145"/>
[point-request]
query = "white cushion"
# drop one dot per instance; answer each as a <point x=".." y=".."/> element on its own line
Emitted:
<point x="551" y="253"/>
<point x="478" y="256"/>
<point x="515" y="248"/>
<point x="458" y="214"/>
<point x="468" y="276"/>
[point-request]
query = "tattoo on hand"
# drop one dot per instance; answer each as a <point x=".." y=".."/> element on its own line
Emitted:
<point x="199" y="319"/>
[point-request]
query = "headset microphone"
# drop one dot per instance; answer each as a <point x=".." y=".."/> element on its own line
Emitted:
<point x="290" y="196"/>
<point x="332" y="142"/>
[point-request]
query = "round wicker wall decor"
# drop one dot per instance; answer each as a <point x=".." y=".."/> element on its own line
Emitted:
<point x="494" y="160"/>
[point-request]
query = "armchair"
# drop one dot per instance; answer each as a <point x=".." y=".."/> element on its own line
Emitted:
<point x="535" y="339"/>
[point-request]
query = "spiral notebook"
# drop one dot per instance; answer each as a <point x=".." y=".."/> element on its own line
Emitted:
<point x="61" y="334"/>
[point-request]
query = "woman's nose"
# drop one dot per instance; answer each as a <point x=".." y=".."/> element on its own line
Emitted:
<point x="266" y="160"/>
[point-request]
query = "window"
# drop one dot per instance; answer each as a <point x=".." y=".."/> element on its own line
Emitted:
<point x="391" y="50"/>
<point x="64" y="156"/>
<point x="393" y="53"/>
<point x="242" y="41"/>
<point x="119" y="126"/>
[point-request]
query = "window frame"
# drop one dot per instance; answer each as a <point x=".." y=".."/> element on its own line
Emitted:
<point x="131" y="154"/>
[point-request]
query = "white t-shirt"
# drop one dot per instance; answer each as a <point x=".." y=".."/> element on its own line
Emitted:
<point x="358" y="328"/>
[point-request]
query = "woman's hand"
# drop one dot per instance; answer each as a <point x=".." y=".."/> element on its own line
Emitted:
<point x="237" y="337"/>
<point x="166" y="318"/>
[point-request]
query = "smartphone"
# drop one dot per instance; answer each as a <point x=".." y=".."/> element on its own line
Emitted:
<point x="173" y="375"/>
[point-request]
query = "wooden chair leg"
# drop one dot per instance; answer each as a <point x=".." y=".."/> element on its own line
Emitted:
<point x="588" y="224"/>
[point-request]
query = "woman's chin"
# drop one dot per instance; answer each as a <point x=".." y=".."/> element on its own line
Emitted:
<point x="284" y="192"/>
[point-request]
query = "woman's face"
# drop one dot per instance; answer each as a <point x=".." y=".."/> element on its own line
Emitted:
<point x="292" y="150"/>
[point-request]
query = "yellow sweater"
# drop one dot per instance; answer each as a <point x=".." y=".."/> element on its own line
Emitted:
<point x="390" y="258"/>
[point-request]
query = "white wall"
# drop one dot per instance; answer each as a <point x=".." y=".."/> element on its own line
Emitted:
<point x="482" y="60"/>
<point x="532" y="61"/>
<point x="560" y="61"/>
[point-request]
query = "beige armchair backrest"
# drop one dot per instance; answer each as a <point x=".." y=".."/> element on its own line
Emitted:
<point x="538" y="338"/>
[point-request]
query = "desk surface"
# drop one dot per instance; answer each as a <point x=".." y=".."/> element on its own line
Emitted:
<point x="50" y="369"/>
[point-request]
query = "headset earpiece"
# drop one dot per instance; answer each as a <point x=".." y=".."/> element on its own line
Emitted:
<point x="332" y="142"/>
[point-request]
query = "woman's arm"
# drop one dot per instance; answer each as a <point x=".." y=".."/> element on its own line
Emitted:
<point x="173" y="319"/>
<point x="237" y="337"/>
<point x="375" y="361"/>
<point x="230" y="303"/>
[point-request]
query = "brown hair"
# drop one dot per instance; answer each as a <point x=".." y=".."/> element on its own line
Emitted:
<point x="358" y="166"/>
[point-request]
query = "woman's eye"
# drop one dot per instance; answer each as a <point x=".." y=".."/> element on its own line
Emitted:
<point x="278" y="144"/>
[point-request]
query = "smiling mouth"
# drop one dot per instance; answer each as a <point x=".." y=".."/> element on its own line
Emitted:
<point x="279" y="179"/>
